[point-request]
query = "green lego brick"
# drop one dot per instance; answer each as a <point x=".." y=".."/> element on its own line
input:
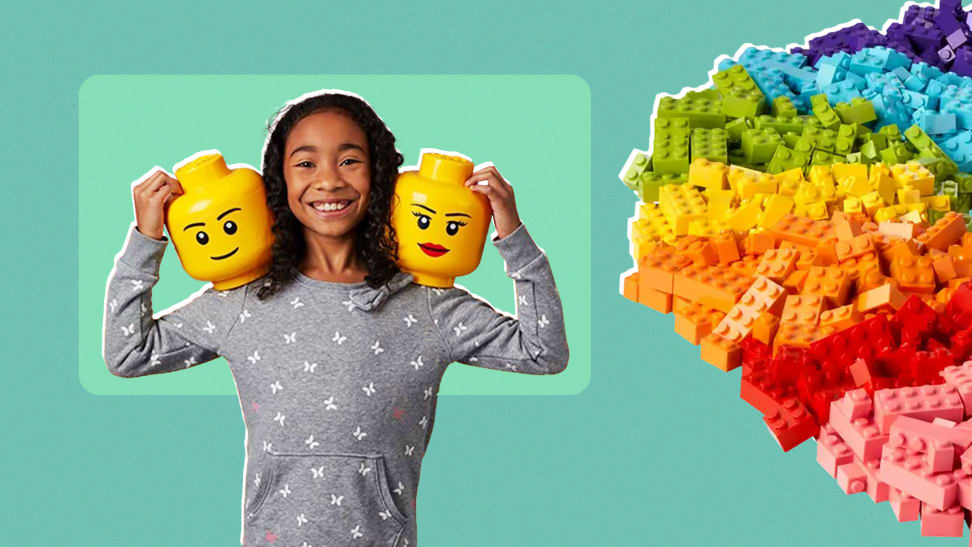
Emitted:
<point x="823" y="112"/>
<point x="869" y="151"/>
<point x="758" y="145"/>
<point x="711" y="144"/>
<point x="639" y="165"/>
<point x="964" y="181"/>
<point x="942" y="168"/>
<point x="964" y="203"/>
<point x="790" y="138"/>
<point x="781" y="125"/>
<point x="736" y="127"/>
<point x="783" y="107"/>
<point x="673" y="124"/>
<point x="859" y="110"/>
<point x="787" y="158"/>
<point x="892" y="133"/>
<point x="650" y="182"/>
<point x="670" y="151"/>
<point x="820" y="138"/>
<point x="698" y="106"/>
<point x="856" y="157"/>
<point x="821" y="157"/>
<point x="740" y="95"/>
<point x="844" y="143"/>
<point x="896" y="152"/>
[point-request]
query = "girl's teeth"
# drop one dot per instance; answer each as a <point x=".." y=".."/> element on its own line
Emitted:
<point x="331" y="206"/>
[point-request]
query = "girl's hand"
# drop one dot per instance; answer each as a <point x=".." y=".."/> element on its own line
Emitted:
<point x="501" y="198"/>
<point x="152" y="197"/>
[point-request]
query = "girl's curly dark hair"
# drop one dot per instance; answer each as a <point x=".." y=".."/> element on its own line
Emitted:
<point x="374" y="239"/>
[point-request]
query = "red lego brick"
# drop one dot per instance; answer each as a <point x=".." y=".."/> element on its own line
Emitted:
<point x="791" y="424"/>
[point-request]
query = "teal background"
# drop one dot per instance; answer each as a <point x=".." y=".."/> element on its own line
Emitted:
<point x="658" y="449"/>
<point x="504" y="119"/>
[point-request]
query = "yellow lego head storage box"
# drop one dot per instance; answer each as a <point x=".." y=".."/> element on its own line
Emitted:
<point x="440" y="224"/>
<point x="221" y="226"/>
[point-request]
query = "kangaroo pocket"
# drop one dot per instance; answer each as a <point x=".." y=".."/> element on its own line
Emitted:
<point x="323" y="499"/>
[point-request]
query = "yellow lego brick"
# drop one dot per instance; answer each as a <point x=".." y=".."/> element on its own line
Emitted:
<point x="747" y="186"/>
<point x="850" y="175"/>
<point x="914" y="174"/>
<point x="744" y="217"/>
<point x="890" y="212"/>
<point x="872" y="202"/>
<point x="808" y="193"/>
<point x="736" y="172"/>
<point x="908" y="194"/>
<point x="853" y="204"/>
<point x="913" y="215"/>
<point x="937" y="203"/>
<point x="775" y="207"/>
<point x="719" y="202"/>
<point x="681" y="204"/>
<point x="707" y="174"/>
<point x="819" y="174"/>
<point x="817" y="211"/>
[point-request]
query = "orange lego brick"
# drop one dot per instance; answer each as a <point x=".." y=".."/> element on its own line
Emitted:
<point x="697" y="249"/>
<point x="804" y="309"/>
<point x="845" y="226"/>
<point x="944" y="268"/>
<point x="887" y="297"/>
<point x="726" y="248"/>
<point x="711" y="286"/>
<point x="762" y="296"/>
<point x="746" y="265"/>
<point x="899" y="249"/>
<point x="720" y="352"/>
<point x="777" y="264"/>
<point x="854" y="247"/>
<point x="630" y="287"/>
<point x="694" y="322"/>
<point x="794" y="334"/>
<point x="757" y="243"/>
<point x="840" y="318"/>
<point x="765" y="327"/>
<point x="795" y="281"/>
<point x="801" y="230"/>
<point x="834" y="284"/>
<point x="825" y="253"/>
<point x="656" y="300"/>
<point x="657" y="270"/>
<point x="947" y="231"/>
<point x="914" y="273"/>
<point x="906" y="230"/>
<point x="961" y="260"/>
<point x="870" y="279"/>
<point x="967" y="240"/>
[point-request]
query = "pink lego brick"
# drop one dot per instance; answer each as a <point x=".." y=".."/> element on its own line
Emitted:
<point x="961" y="377"/>
<point x="877" y="489"/>
<point x="905" y="507"/>
<point x="832" y="451"/>
<point x="861" y="435"/>
<point x="914" y="436"/>
<point x="924" y="403"/>
<point x="851" y="478"/>
<point x="927" y="432"/>
<point x="855" y="404"/>
<point x="947" y="523"/>
<point x="965" y="493"/>
<point x="966" y="461"/>
<point x="907" y="472"/>
<point x="944" y="423"/>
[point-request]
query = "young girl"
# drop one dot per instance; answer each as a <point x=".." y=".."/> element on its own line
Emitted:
<point x="337" y="356"/>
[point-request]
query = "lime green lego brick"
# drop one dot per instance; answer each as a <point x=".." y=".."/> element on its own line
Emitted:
<point x="820" y="138"/>
<point x="821" y="157"/>
<point x="736" y="127"/>
<point x="859" y="110"/>
<point x="670" y="151"/>
<point x="791" y="139"/>
<point x="697" y="106"/>
<point x="844" y="143"/>
<point x="711" y="144"/>
<point x="787" y="158"/>
<point x="650" y="182"/>
<point x="892" y="132"/>
<point x="783" y="107"/>
<point x="673" y="124"/>
<point x="942" y="168"/>
<point x="740" y="95"/>
<point x="870" y="152"/>
<point x="964" y="181"/>
<point x="823" y="112"/>
<point x="963" y="204"/>
<point x="928" y="149"/>
<point x="896" y="152"/>
<point x="639" y="165"/>
<point x="856" y="157"/>
<point x="781" y="125"/>
<point x="758" y="145"/>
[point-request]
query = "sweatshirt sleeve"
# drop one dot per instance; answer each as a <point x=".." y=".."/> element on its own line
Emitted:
<point x="134" y="343"/>
<point x="532" y="342"/>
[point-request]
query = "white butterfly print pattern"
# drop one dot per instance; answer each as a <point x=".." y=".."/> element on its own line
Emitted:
<point x="410" y="320"/>
<point x="280" y="418"/>
<point x="338" y="338"/>
<point x="356" y="532"/>
<point x="311" y="443"/>
<point x="329" y="402"/>
<point x="336" y="500"/>
<point x="137" y="285"/>
<point x="310" y="367"/>
<point x="210" y="327"/>
<point x="301" y="520"/>
<point x="244" y="315"/>
<point x="296" y="303"/>
<point x="290" y="338"/>
<point x="358" y="434"/>
<point x="543" y="321"/>
<point x="275" y="387"/>
<point x="460" y="328"/>
<point x="369" y="389"/>
<point x="317" y="472"/>
<point x="129" y="330"/>
<point x="349" y="304"/>
<point x="384" y="514"/>
<point x="285" y="491"/>
<point x="254" y="358"/>
<point x="112" y="305"/>
<point x="376" y="347"/>
<point x="362" y="470"/>
<point x="417" y="364"/>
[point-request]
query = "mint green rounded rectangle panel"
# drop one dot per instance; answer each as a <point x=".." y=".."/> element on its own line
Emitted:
<point x="535" y="128"/>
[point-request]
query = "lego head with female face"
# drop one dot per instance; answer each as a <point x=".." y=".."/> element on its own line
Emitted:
<point x="329" y="167"/>
<point x="440" y="224"/>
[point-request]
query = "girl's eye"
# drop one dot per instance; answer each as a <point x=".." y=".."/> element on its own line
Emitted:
<point x="305" y="163"/>
<point x="229" y="227"/>
<point x="349" y="161"/>
<point x="423" y="220"/>
<point x="452" y="227"/>
<point x="202" y="238"/>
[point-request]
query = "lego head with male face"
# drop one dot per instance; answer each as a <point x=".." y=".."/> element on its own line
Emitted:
<point x="221" y="226"/>
<point x="440" y="224"/>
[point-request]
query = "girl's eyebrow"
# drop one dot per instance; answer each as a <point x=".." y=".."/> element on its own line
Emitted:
<point x="341" y="148"/>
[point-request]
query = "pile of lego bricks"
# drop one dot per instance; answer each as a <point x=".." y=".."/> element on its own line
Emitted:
<point x="806" y="217"/>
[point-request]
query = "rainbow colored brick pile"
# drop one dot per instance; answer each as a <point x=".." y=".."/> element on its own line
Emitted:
<point x="805" y="215"/>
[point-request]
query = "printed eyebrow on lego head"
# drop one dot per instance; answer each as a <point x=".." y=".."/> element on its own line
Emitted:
<point x="218" y="218"/>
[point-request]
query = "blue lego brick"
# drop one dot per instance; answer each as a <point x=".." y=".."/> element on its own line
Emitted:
<point x="959" y="148"/>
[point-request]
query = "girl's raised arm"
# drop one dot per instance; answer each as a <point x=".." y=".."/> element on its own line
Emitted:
<point x="532" y="342"/>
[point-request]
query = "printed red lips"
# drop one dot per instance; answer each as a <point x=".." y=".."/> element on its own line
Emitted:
<point x="432" y="249"/>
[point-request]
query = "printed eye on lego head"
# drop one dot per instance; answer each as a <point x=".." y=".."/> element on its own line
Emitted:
<point x="440" y="224"/>
<point x="220" y="226"/>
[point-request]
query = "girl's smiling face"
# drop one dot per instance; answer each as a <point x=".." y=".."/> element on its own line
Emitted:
<point x="328" y="174"/>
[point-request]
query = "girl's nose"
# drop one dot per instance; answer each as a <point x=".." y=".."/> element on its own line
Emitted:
<point x="329" y="179"/>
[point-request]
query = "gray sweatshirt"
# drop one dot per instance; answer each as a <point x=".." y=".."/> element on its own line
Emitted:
<point x="337" y="382"/>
